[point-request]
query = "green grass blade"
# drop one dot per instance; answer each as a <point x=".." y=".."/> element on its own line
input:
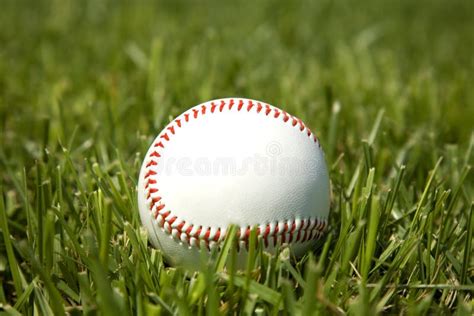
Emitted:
<point x="265" y="293"/>
<point x="55" y="301"/>
<point x="229" y="242"/>
<point x="468" y="245"/>
<point x="12" y="262"/>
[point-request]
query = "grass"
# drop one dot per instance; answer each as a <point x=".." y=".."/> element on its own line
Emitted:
<point x="85" y="86"/>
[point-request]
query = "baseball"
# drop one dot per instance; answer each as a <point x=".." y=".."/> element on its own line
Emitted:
<point x="233" y="161"/>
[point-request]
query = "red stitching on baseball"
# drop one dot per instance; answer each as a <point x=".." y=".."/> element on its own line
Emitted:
<point x="155" y="200"/>
<point x="250" y="106"/>
<point x="150" y="173"/>
<point x="198" y="232"/>
<point x="218" y="234"/>
<point x="241" y="104"/>
<point x="267" y="109"/>
<point x="277" y="113"/>
<point x="289" y="232"/>
<point x="150" y="181"/>
<point x="151" y="163"/>
<point x="172" y="220"/>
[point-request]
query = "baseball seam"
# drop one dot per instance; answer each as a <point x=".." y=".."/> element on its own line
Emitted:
<point x="276" y="233"/>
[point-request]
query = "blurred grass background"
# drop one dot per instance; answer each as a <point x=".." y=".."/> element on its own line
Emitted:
<point x="131" y="64"/>
<point x="86" y="85"/>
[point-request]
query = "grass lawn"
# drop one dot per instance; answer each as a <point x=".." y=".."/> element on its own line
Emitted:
<point x="386" y="85"/>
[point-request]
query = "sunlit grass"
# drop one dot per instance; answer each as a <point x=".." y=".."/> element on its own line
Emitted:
<point x="85" y="87"/>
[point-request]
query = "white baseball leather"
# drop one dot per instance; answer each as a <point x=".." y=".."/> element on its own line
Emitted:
<point x="233" y="161"/>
